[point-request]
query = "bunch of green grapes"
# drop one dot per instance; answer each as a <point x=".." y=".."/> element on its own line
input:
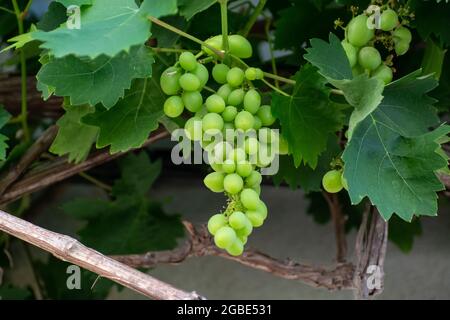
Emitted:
<point x="360" y="39"/>
<point x="233" y="111"/>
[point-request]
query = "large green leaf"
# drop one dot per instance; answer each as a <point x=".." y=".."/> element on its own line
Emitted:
<point x="392" y="158"/>
<point x="74" y="138"/>
<point x="4" y="118"/>
<point x="308" y="117"/>
<point x="189" y="8"/>
<point x="159" y="8"/>
<point x="102" y="80"/>
<point x="128" y="124"/>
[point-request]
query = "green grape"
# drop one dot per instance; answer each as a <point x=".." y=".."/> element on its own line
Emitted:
<point x="236" y="248"/>
<point x="283" y="146"/>
<point x="238" y="45"/>
<point x="229" y="113"/>
<point x="192" y="100"/>
<point x="244" y="120"/>
<point x="401" y="47"/>
<point x="235" y="77"/>
<point x="358" y="33"/>
<point x="402" y="34"/>
<point x="255" y="218"/>
<point x="214" y="182"/>
<point x="221" y="150"/>
<point x="369" y="58"/>
<point x="230" y="127"/>
<point x="251" y="73"/>
<point x="217" y="167"/>
<point x="267" y="135"/>
<point x="212" y="121"/>
<point x="173" y="106"/>
<point x="384" y="73"/>
<point x="237" y="220"/>
<point x="225" y="237"/>
<point x="214" y="103"/>
<point x="169" y="81"/>
<point x="202" y="74"/>
<point x="257" y="122"/>
<point x="262" y="209"/>
<point x="237" y="155"/>
<point x="254" y="178"/>
<point x="250" y="199"/>
<point x="236" y="97"/>
<point x="257" y="188"/>
<point x="233" y="183"/>
<point x="219" y="73"/>
<point x="332" y="182"/>
<point x="265" y="156"/>
<point x="259" y="74"/>
<point x="216" y="222"/>
<point x="344" y="182"/>
<point x="244" y="239"/>
<point x="244" y="168"/>
<point x="193" y="128"/>
<point x="251" y="145"/>
<point x="351" y="52"/>
<point x="246" y="230"/>
<point x="224" y="91"/>
<point x="189" y="82"/>
<point x="389" y="20"/>
<point x="266" y="116"/>
<point x="187" y="61"/>
<point x="252" y="101"/>
<point x="229" y="166"/>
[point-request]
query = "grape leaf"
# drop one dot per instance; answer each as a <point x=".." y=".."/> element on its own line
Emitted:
<point x="392" y="158"/>
<point x="402" y="233"/>
<point x="189" y="8"/>
<point x="329" y="58"/>
<point x="53" y="18"/>
<point x="4" y="118"/>
<point x="308" y="117"/>
<point x="102" y="80"/>
<point x="74" y="138"/>
<point x="131" y="223"/>
<point x="128" y="124"/>
<point x="432" y="18"/>
<point x="103" y="31"/>
<point x="308" y="179"/>
<point x="159" y="8"/>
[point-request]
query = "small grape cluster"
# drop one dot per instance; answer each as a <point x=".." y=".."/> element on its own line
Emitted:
<point x="234" y="111"/>
<point x="359" y="44"/>
<point x="333" y="181"/>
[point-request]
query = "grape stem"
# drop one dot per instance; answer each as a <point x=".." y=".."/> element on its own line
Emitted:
<point x="172" y="50"/>
<point x="251" y="21"/>
<point x="167" y="26"/>
<point x="224" y="20"/>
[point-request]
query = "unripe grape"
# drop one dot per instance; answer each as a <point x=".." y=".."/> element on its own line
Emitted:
<point x="388" y="20"/>
<point x="357" y="31"/>
<point x="252" y="101"/>
<point x="384" y="73"/>
<point x="221" y="151"/>
<point x="267" y="135"/>
<point x="401" y="47"/>
<point x="201" y="73"/>
<point x="257" y="123"/>
<point x="219" y="73"/>
<point x="283" y="146"/>
<point x="236" y="248"/>
<point x="228" y="129"/>
<point x="235" y="77"/>
<point x="244" y="168"/>
<point x="212" y="121"/>
<point x="237" y="220"/>
<point x="193" y="128"/>
<point x="344" y="182"/>
<point x="369" y="58"/>
<point x="246" y="230"/>
<point x="262" y="209"/>
<point x="402" y="34"/>
<point x="187" y="61"/>
<point x="236" y="97"/>
<point x="249" y="199"/>
<point x="254" y="178"/>
<point x="224" y="91"/>
<point x="251" y="145"/>
<point x="229" y="166"/>
<point x="238" y="45"/>
<point x="259" y="74"/>
<point x="229" y="113"/>
<point x="173" y="106"/>
<point x="214" y="182"/>
<point x="244" y="120"/>
<point x="237" y="155"/>
<point x="332" y="182"/>
<point x="257" y="189"/>
<point x="250" y="73"/>
<point x="217" y="167"/>
<point x="351" y="52"/>
<point x="193" y="100"/>
<point x="215" y="103"/>
<point x="225" y="237"/>
<point x="255" y="218"/>
<point x="216" y="222"/>
<point x="169" y="81"/>
<point x="233" y="183"/>
<point x="266" y="116"/>
<point x="244" y="239"/>
<point x="189" y="82"/>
